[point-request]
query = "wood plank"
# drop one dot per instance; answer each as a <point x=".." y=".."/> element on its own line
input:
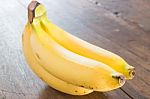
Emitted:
<point x="136" y="12"/>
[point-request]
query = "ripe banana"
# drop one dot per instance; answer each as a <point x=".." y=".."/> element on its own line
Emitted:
<point x="43" y="74"/>
<point x="86" y="49"/>
<point x="60" y="67"/>
<point x="69" y="66"/>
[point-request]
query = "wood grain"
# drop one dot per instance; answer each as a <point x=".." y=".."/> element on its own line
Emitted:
<point x="134" y="12"/>
<point x="119" y="26"/>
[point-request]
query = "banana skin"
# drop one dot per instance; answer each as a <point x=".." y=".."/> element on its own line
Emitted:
<point x="71" y="67"/>
<point x="84" y="48"/>
<point x="52" y="81"/>
<point x="67" y="63"/>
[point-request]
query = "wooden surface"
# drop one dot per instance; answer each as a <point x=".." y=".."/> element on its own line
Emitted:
<point x="121" y="26"/>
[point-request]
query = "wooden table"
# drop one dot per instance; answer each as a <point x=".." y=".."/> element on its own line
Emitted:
<point x="121" y="26"/>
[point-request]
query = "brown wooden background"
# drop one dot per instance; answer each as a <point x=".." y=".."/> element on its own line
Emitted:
<point x="121" y="26"/>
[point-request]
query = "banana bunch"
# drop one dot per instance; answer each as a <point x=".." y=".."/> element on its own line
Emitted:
<point x="67" y="63"/>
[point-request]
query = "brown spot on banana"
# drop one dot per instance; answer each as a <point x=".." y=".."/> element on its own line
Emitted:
<point x="37" y="55"/>
<point x="76" y="91"/>
<point x="41" y="78"/>
<point x="81" y="86"/>
<point x="91" y="87"/>
<point x="22" y="38"/>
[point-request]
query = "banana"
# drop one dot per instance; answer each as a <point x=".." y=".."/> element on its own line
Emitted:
<point x="69" y="66"/>
<point x="43" y="74"/>
<point x="61" y="68"/>
<point x="86" y="49"/>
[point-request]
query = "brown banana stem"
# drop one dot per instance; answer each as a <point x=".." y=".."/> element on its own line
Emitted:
<point x="120" y="78"/>
<point x="31" y="10"/>
<point x="132" y="72"/>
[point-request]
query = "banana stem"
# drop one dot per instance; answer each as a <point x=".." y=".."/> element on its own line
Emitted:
<point x="120" y="78"/>
<point x="132" y="72"/>
<point x="31" y="10"/>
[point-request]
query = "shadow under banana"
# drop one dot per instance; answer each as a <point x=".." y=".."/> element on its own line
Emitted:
<point x="50" y="93"/>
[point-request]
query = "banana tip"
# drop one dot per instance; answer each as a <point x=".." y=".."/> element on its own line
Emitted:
<point x="121" y="79"/>
<point x="132" y="72"/>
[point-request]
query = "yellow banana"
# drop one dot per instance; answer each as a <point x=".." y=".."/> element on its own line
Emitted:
<point x="86" y="49"/>
<point x="69" y="66"/>
<point x="43" y="74"/>
<point x="61" y="68"/>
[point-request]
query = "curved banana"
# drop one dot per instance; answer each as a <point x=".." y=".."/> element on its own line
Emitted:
<point x="43" y="74"/>
<point x="69" y="66"/>
<point x="86" y="49"/>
